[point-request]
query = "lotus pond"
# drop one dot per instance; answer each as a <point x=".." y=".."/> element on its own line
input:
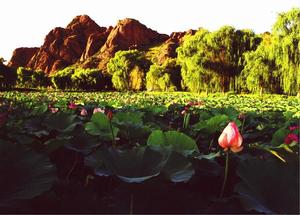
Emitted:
<point x="63" y="152"/>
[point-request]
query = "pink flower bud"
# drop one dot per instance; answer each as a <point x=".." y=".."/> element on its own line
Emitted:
<point x="53" y="110"/>
<point x="96" y="110"/>
<point x="291" y="138"/>
<point x="292" y="128"/>
<point x="83" y="112"/>
<point x="231" y="138"/>
<point x="109" y="115"/>
<point x="72" y="106"/>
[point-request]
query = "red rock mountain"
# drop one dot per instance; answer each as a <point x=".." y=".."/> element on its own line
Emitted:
<point x="85" y="42"/>
<point x="62" y="46"/>
<point x="169" y="47"/>
<point x="127" y="34"/>
<point x="22" y="56"/>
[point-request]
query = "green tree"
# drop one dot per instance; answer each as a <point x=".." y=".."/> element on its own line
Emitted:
<point x="8" y="76"/>
<point x="87" y="79"/>
<point x="62" y="78"/>
<point x="192" y="56"/>
<point x="29" y="78"/>
<point x="260" y="72"/>
<point x="213" y="60"/>
<point x="127" y="70"/>
<point x="24" y="77"/>
<point x="286" y="49"/>
<point x="164" y="77"/>
<point x="40" y="79"/>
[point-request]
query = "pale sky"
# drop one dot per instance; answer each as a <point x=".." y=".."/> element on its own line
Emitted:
<point x="25" y="23"/>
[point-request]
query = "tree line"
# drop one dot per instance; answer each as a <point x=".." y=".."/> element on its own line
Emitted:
<point x="224" y="60"/>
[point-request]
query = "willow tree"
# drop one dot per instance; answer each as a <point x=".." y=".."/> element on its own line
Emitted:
<point x="286" y="49"/>
<point x="193" y="58"/>
<point x="127" y="70"/>
<point x="228" y="46"/>
<point x="260" y="72"/>
<point x="214" y="59"/>
<point x="165" y="77"/>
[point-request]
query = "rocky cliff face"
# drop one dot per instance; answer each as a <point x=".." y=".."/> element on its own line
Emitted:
<point x="22" y="56"/>
<point x="131" y="34"/>
<point x="128" y="34"/>
<point x="63" y="46"/>
<point x="168" y="48"/>
<point x="85" y="42"/>
<point x="94" y="43"/>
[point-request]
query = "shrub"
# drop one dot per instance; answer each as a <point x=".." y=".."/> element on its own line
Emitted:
<point x="62" y="78"/>
<point x="8" y="76"/>
<point x="87" y="79"/>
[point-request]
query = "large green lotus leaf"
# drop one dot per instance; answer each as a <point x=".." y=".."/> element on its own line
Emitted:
<point x="54" y="144"/>
<point x="269" y="185"/>
<point x="178" y="168"/>
<point x="95" y="162"/>
<point x="63" y="122"/>
<point x="100" y="126"/>
<point x="131" y="165"/>
<point x="82" y="142"/>
<point x="39" y="109"/>
<point x="229" y="111"/>
<point x="131" y="125"/>
<point x="279" y="136"/>
<point x="156" y="110"/>
<point x="213" y="124"/>
<point x="25" y="174"/>
<point x="172" y="140"/>
<point x="129" y="118"/>
<point x="140" y="164"/>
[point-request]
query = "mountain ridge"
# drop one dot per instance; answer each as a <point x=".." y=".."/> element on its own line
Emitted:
<point x="86" y="43"/>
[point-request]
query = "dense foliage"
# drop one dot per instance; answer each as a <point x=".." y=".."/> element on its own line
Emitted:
<point x="243" y="103"/>
<point x="164" y="77"/>
<point x="79" y="79"/>
<point x="286" y="50"/>
<point x="28" y="78"/>
<point x="128" y="70"/>
<point x="101" y="153"/>
<point x="8" y="76"/>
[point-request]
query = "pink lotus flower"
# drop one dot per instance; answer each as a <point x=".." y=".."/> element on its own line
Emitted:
<point x="53" y="109"/>
<point x="109" y="115"/>
<point x="72" y="106"/>
<point x="83" y="112"/>
<point x="231" y="138"/>
<point x="291" y="138"/>
<point x="96" y="110"/>
<point x="292" y="128"/>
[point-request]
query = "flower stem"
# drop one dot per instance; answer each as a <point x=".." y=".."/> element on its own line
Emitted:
<point x="243" y="125"/>
<point x="131" y="204"/>
<point x="210" y="144"/>
<point x="112" y="134"/>
<point x="225" y="174"/>
<point x="186" y="120"/>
